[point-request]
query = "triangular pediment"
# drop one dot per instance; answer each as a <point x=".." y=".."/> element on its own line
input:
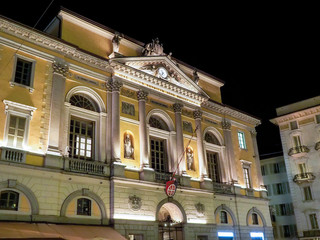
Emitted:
<point x="164" y="68"/>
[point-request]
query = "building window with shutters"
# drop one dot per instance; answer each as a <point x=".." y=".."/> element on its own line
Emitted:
<point x="213" y="166"/>
<point x="307" y="193"/>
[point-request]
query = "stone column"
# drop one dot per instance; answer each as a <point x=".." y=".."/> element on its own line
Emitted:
<point x="109" y="121"/>
<point x="232" y="170"/>
<point x="201" y="157"/>
<point x="116" y="144"/>
<point x="60" y="70"/>
<point x="177" y="108"/>
<point x="143" y="137"/>
<point x="257" y="158"/>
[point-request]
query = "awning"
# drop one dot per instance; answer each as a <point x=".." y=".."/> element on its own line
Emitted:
<point x="18" y="230"/>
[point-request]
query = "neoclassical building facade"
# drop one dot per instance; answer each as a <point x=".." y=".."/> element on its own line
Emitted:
<point x="92" y="126"/>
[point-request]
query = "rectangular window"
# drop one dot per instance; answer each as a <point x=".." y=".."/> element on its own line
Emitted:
<point x="276" y="168"/>
<point x="23" y="72"/>
<point x="242" y="140"/>
<point x="318" y="118"/>
<point x="84" y="206"/>
<point x="263" y="170"/>
<point x="135" y="236"/>
<point x="307" y="193"/>
<point x="81" y="139"/>
<point x="213" y="167"/>
<point x="314" y="221"/>
<point x="16" y="131"/>
<point x="293" y="125"/>
<point x="158" y="155"/>
<point x="247" y="180"/>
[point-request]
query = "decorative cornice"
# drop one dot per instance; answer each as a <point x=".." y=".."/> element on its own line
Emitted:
<point x="142" y="95"/>
<point x="224" y="110"/>
<point x="296" y="115"/>
<point x="42" y="40"/>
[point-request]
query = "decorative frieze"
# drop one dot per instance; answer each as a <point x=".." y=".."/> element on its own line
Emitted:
<point x="128" y="93"/>
<point x="128" y="108"/>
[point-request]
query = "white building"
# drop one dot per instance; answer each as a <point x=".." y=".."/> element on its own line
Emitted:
<point x="281" y="208"/>
<point x="299" y="129"/>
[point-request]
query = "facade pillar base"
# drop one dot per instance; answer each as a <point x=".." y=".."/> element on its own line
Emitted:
<point x="185" y="180"/>
<point x="147" y="174"/>
<point x="118" y="169"/>
<point x="53" y="160"/>
<point x="206" y="183"/>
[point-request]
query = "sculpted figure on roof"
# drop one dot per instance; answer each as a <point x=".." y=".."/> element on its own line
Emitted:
<point x="153" y="49"/>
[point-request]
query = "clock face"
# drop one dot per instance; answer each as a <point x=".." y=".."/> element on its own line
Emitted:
<point x="163" y="72"/>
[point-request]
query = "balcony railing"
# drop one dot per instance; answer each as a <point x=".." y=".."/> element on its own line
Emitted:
<point x="311" y="233"/>
<point x="164" y="177"/>
<point x="222" y="187"/>
<point x="298" y="151"/>
<point x="13" y="155"/>
<point x="87" y="167"/>
<point x="303" y="177"/>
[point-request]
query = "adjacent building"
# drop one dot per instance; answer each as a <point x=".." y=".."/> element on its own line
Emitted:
<point x="299" y="125"/>
<point x="275" y="178"/>
<point x="93" y="124"/>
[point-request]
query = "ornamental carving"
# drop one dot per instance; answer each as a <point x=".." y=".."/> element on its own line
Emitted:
<point x="226" y="125"/>
<point x="60" y="68"/>
<point x="116" y="42"/>
<point x="195" y="76"/>
<point x="197" y="114"/>
<point x="142" y="95"/>
<point x="177" y="107"/>
<point x="135" y="203"/>
<point x="200" y="209"/>
<point x="116" y="85"/>
<point x="128" y="108"/>
<point x="153" y="49"/>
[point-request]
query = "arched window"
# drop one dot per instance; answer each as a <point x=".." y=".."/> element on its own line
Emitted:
<point x="211" y="138"/>
<point x="79" y="100"/>
<point x="84" y="206"/>
<point x="9" y="200"/>
<point x="223" y="217"/>
<point x="157" y="122"/>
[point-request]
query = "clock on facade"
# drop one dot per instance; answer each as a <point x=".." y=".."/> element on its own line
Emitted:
<point x="163" y="73"/>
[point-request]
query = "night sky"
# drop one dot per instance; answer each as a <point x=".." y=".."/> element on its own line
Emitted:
<point x="267" y="54"/>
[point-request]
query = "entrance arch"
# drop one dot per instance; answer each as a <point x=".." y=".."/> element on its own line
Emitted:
<point x="171" y="218"/>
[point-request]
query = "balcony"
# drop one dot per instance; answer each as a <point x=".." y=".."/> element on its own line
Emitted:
<point x="298" y="151"/>
<point x="86" y="167"/>
<point x="303" y="177"/>
<point x="164" y="177"/>
<point x="13" y="155"/>
<point x="311" y="233"/>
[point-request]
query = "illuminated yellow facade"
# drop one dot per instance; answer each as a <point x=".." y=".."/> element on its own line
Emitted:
<point x="94" y="123"/>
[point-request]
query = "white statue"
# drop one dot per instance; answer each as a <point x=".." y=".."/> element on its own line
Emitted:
<point x="189" y="158"/>
<point x="128" y="148"/>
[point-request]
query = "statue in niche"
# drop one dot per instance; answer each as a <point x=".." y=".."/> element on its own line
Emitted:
<point x="128" y="146"/>
<point x="189" y="155"/>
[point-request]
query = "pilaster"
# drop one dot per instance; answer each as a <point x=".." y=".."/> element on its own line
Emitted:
<point x="177" y="108"/>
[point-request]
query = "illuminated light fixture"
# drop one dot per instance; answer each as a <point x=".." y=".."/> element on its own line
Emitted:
<point x="199" y="221"/>
<point x="257" y="235"/>
<point x="134" y="217"/>
<point x="225" y="234"/>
